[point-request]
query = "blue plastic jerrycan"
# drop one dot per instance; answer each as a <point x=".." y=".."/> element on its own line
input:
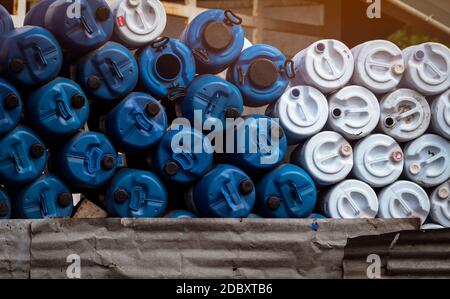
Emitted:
<point x="47" y="197"/>
<point x="260" y="144"/>
<point x="108" y="73"/>
<point x="87" y="161"/>
<point x="167" y="67"/>
<point x="317" y="216"/>
<point x="6" y="22"/>
<point x="180" y="214"/>
<point x="10" y="107"/>
<point x="5" y="205"/>
<point x="30" y="56"/>
<point x="262" y="75"/>
<point x="224" y="192"/>
<point x="80" y="26"/>
<point x="216" y="38"/>
<point x="183" y="156"/>
<point x="23" y="157"/>
<point x="286" y="192"/>
<point x="137" y="124"/>
<point x="36" y="15"/>
<point x="136" y="194"/>
<point x="57" y="109"/>
<point x="211" y="100"/>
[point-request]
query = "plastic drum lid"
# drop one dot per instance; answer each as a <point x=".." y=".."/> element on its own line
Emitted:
<point x="427" y="160"/>
<point x="354" y="112"/>
<point x="440" y="115"/>
<point x="48" y="197"/>
<point x="379" y="66"/>
<point x="136" y="194"/>
<point x="5" y="205"/>
<point x="427" y="68"/>
<point x="327" y="65"/>
<point x="138" y="22"/>
<point x="351" y="199"/>
<point x="404" y="199"/>
<point x="10" y="107"/>
<point x="58" y="109"/>
<point x="378" y="160"/>
<point x="440" y="205"/>
<point x="302" y="111"/>
<point x="405" y="115"/>
<point x="6" y="22"/>
<point x="327" y="157"/>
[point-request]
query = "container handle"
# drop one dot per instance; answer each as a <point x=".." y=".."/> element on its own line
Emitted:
<point x="231" y="18"/>
<point x="175" y="93"/>
<point x="160" y="43"/>
<point x="288" y="69"/>
<point x="201" y="54"/>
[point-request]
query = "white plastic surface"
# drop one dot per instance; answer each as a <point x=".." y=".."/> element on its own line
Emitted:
<point x="379" y="66"/>
<point x="440" y="205"/>
<point x="326" y="65"/>
<point x="427" y="160"/>
<point x="404" y="199"/>
<point x="327" y="157"/>
<point x="138" y="22"/>
<point x="379" y="160"/>
<point x="302" y="111"/>
<point x="247" y="44"/>
<point x="430" y="226"/>
<point x="440" y="115"/>
<point x="354" y="112"/>
<point x="405" y="115"/>
<point x="427" y="68"/>
<point x="350" y="199"/>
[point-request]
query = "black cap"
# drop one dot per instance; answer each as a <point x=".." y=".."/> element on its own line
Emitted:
<point x="121" y="196"/>
<point x="4" y="209"/>
<point x="11" y="101"/>
<point x="78" y="101"/>
<point x="246" y="186"/>
<point x="171" y="168"/>
<point x="16" y="65"/>
<point x="102" y="13"/>
<point x="217" y="36"/>
<point x="94" y="82"/>
<point x="64" y="199"/>
<point x="273" y="203"/>
<point x="37" y="151"/>
<point x="152" y="109"/>
<point x="108" y="162"/>
<point x="262" y="73"/>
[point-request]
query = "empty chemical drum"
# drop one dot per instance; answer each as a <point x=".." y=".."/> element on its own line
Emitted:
<point x="350" y="199"/>
<point x="109" y="73"/>
<point x="427" y="68"/>
<point x="379" y="66"/>
<point x="48" y="197"/>
<point x="58" y="109"/>
<point x="137" y="123"/>
<point x="80" y="30"/>
<point x="10" y="107"/>
<point x="405" y="115"/>
<point x="427" y="160"/>
<point x="247" y="44"/>
<point x="354" y="112"/>
<point x="36" y="15"/>
<point x="286" y="192"/>
<point x="327" y="157"/>
<point x="180" y="214"/>
<point x="167" y="67"/>
<point x="224" y="192"/>
<point x="431" y="226"/>
<point x="87" y="161"/>
<point x="30" y="56"/>
<point x="183" y="156"/>
<point x="326" y="65"/>
<point x="138" y="22"/>
<point x="262" y="74"/>
<point x="440" y="115"/>
<point x="6" y="22"/>
<point x="378" y="160"/>
<point x="136" y="194"/>
<point x="317" y="216"/>
<point x="303" y="112"/>
<point x="260" y="144"/>
<point x="440" y="205"/>
<point x="5" y="204"/>
<point x="404" y="199"/>
<point x="211" y="100"/>
<point x="23" y="157"/>
<point x="216" y="39"/>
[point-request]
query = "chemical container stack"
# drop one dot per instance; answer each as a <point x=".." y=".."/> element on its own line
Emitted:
<point x="150" y="126"/>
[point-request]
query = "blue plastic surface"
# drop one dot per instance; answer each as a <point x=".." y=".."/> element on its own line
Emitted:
<point x="6" y="22"/>
<point x="136" y="194"/>
<point x="36" y="15"/>
<point x="23" y="157"/>
<point x="262" y="75"/>
<point x="109" y="73"/>
<point x="10" y="107"/>
<point x="286" y="192"/>
<point x="216" y="39"/>
<point x="213" y="99"/>
<point x="48" y="197"/>
<point x="316" y="216"/>
<point x="180" y="214"/>
<point x="30" y="56"/>
<point x="87" y="161"/>
<point x="58" y="109"/>
<point x="224" y="192"/>
<point x="5" y="205"/>
<point x="167" y="67"/>
<point x="180" y="162"/>
<point x="254" y="216"/>
<point x="137" y="124"/>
